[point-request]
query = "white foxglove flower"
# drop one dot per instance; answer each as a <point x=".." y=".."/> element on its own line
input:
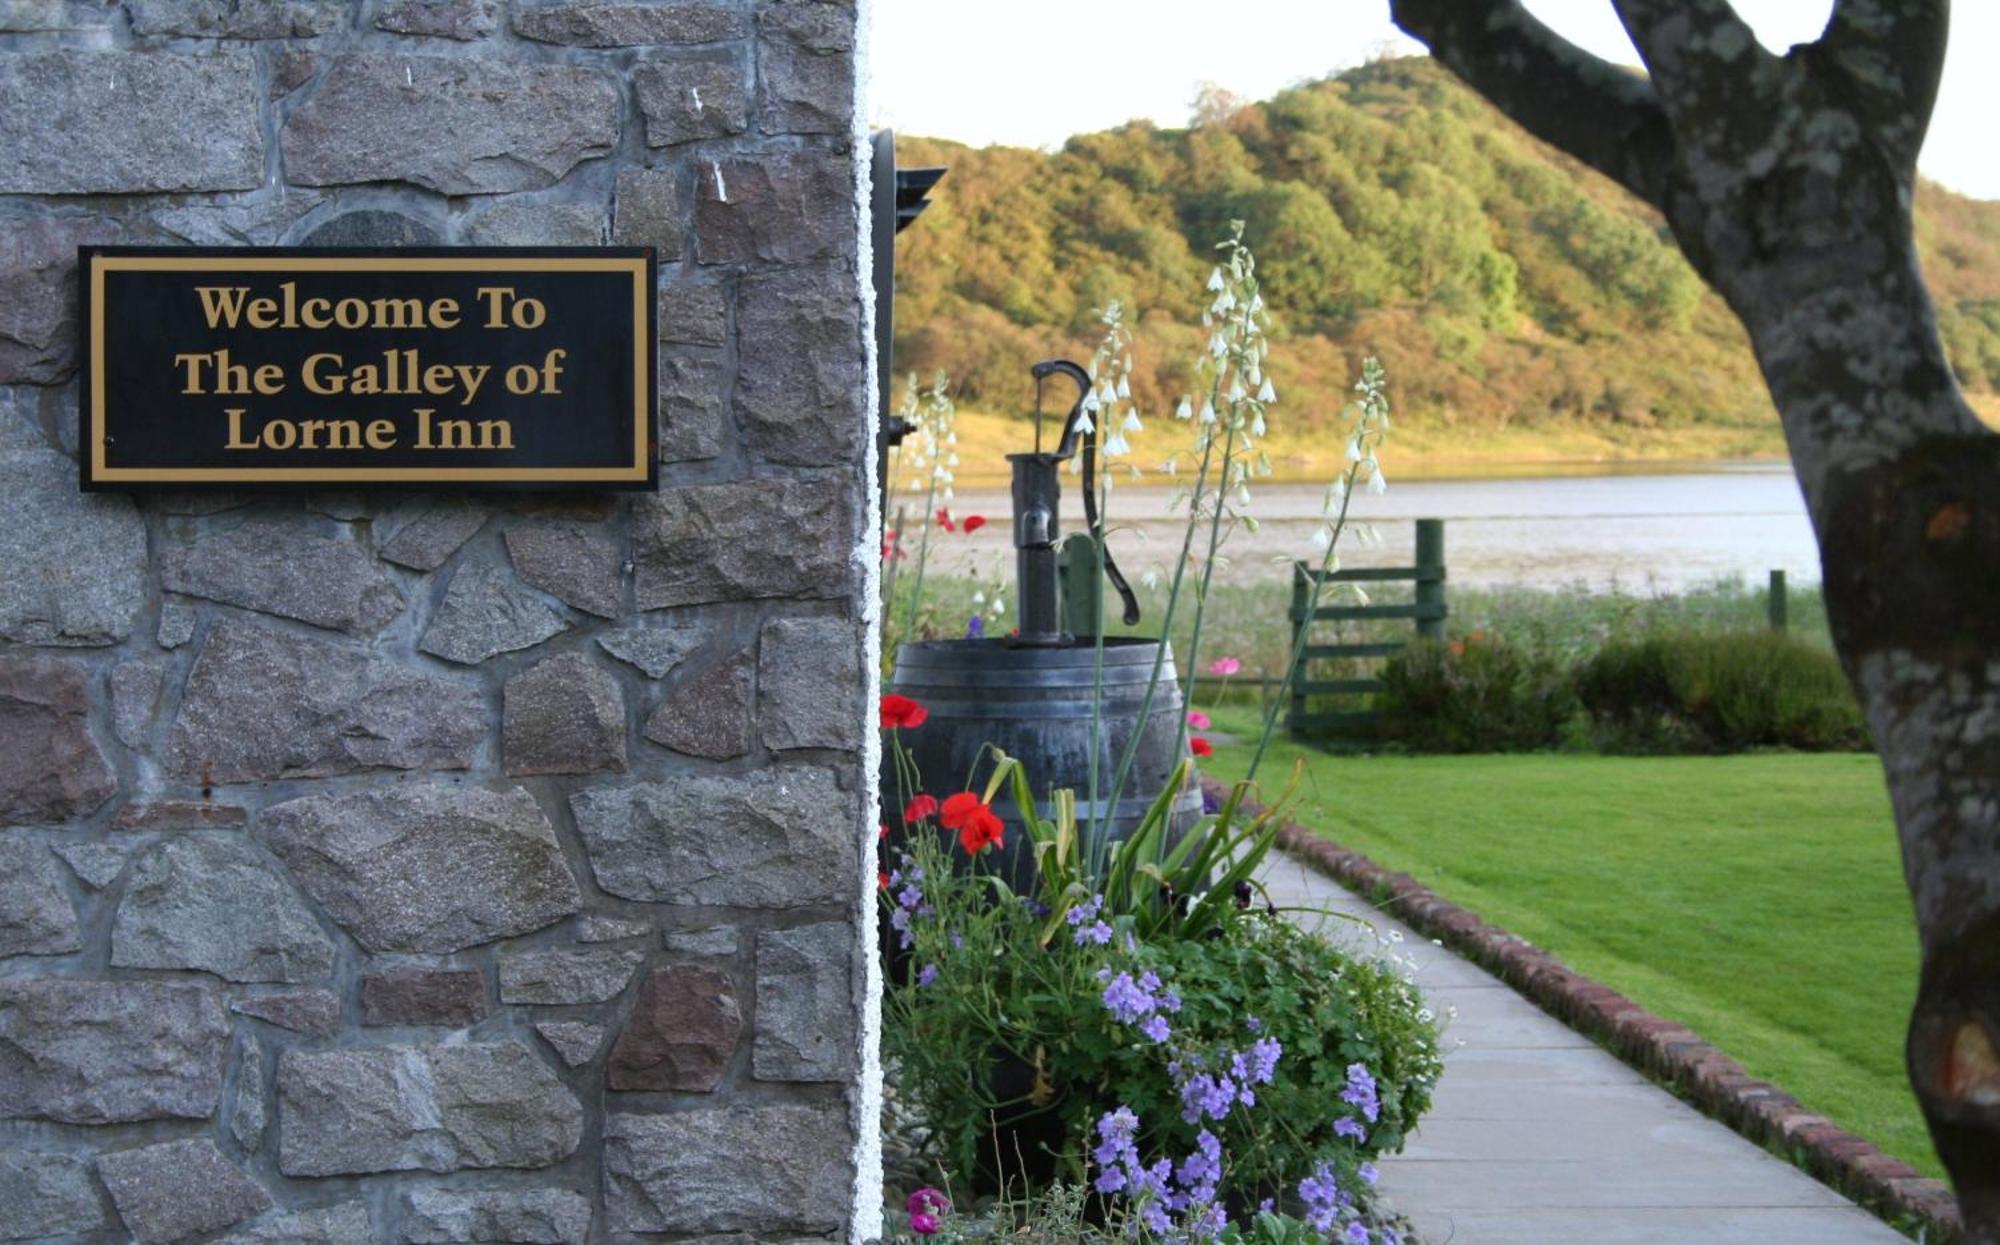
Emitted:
<point x="1217" y="346"/>
<point x="1132" y="423"/>
<point x="1215" y="279"/>
<point x="1090" y="402"/>
<point x="1107" y="393"/>
<point x="1083" y="424"/>
<point x="1115" y="445"/>
<point x="1257" y="425"/>
<point x="1354" y="450"/>
<point x="1377" y="483"/>
<point x="1185" y="410"/>
<point x="999" y="607"/>
<point x="1124" y="386"/>
<point x="1207" y="411"/>
<point x="979" y="598"/>
<point x="1227" y="301"/>
<point x="1323" y="538"/>
<point x="1236" y="393"/>
<point x="1334" y="492"/>
<point x="1256" y="303"/>
<point x="952" y="461"/>
<point x="1267" y="393"/>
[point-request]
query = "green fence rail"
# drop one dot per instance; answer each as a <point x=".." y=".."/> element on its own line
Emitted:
<point x="1427" y="612"/>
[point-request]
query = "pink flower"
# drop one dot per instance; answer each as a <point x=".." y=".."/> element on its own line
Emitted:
<point x="1224" y="665"/>
<point x="1198" y="720"/>
<point x="926" y="1207"/>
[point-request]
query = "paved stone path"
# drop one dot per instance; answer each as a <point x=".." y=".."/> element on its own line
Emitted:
<point x="1538" y="1137"/>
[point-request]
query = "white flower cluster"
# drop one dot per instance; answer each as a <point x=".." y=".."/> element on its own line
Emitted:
<point x="1108" y="410"/>
<point x="1232" y="413"/>
<point x="929" y="452"/>
<point x="1368" y="428"/>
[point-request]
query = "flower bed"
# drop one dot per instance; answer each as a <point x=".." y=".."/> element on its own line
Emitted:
<point x="1189" y="1055"/>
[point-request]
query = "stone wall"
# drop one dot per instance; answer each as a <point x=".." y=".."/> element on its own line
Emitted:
<point x="427" y="867"/>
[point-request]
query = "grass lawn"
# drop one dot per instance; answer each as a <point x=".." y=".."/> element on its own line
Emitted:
<point x="1757" y="899"/>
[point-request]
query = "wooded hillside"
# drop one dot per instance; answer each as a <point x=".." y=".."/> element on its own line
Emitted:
<point x="1515" y="296"/>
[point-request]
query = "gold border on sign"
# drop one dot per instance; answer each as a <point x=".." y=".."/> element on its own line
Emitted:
<point x="642" y="359"/>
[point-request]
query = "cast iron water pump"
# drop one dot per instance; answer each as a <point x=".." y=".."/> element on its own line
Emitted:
<point x="1038" y="519"/>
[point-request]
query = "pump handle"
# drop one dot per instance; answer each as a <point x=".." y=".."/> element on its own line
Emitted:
<point x="1072" y="434"/>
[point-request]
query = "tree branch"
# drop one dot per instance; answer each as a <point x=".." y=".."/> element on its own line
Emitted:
<point x="1890" y="57"/>
<point x="1711" y="73"/>
<point x="1602" y="114"/>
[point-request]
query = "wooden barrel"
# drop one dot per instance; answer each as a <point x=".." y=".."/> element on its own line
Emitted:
<point x="1037" y="704"/>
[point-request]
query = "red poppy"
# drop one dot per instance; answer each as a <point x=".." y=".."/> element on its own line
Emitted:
<point x="916" y="810"/>
<point x="978" y="828"/>
<point x="944" y="520"/>
<point x="883" y="833"/>
<point x="1199" y="746"/>
<point x="881" y="879"/>
<point x="973" y="522"/>
<point x="902" y="711"/>
<point x="982" y="830"/>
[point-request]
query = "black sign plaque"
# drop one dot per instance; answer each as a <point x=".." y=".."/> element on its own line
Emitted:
<point x="415" y="368"/>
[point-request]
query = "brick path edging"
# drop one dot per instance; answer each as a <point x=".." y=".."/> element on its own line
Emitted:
<point x="1661" y="1049"/>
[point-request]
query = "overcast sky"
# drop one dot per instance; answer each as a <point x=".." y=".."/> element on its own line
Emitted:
<point x="1033" y="72"/>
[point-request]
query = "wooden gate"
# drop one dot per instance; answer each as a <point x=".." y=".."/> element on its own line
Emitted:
<point x="1426" y="611"/>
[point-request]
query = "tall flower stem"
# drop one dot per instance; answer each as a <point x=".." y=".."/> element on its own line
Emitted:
<point x="1293" y="662"/>
<point x="938" y="437"/>
<point x="1370" y="429"/>
<point x="1207" y="576"/>
<point x="1123" y="772"/>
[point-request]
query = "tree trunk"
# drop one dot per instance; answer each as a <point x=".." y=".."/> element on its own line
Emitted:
<point x="1787" y="182"/>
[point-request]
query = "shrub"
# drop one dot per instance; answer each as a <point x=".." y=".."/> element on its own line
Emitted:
<point x="1078" y="1050"/>
<point x="1719" y="692"/>
<point x="1479" y="694"/>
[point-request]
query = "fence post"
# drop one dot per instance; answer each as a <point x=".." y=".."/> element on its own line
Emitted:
<point x="1776" y="603"/>
<point x="1430" y="576"/>
<point x="1301" y="598"/>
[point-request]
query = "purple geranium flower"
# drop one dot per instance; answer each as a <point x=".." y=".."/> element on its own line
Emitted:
<point x="1360" y="1091"/>
<point x="1128" y="1000"/>
<point x="1323" y="1198"/>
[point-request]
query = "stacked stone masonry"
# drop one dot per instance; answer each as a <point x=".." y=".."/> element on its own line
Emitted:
<point x="439" y="867"/>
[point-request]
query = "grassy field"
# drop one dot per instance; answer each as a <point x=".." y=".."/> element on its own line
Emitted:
<point x="1757" y="899"/>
